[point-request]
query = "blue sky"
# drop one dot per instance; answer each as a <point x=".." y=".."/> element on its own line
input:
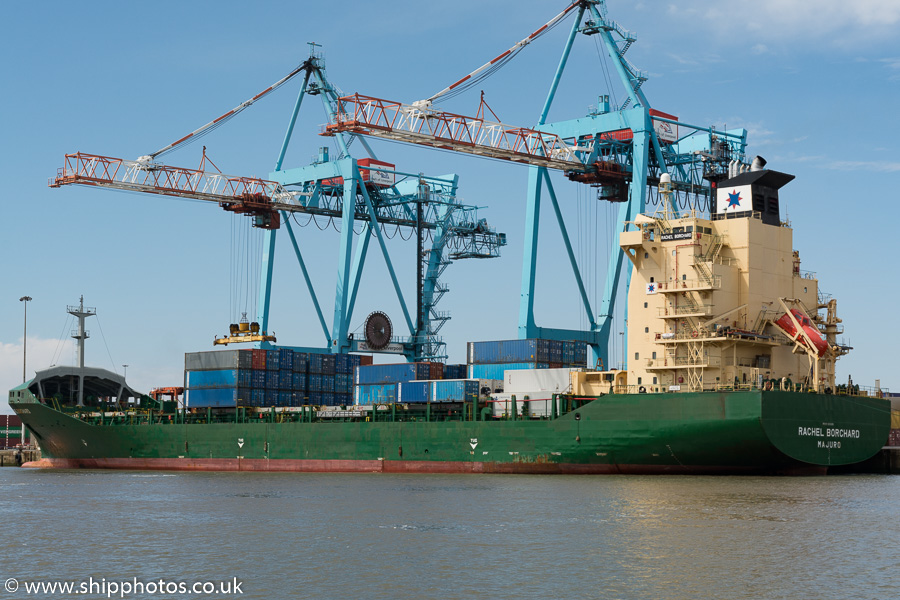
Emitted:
<point x="816" y="85"/>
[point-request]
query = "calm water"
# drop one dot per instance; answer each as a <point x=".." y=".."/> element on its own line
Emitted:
<point x="447" y="537"/>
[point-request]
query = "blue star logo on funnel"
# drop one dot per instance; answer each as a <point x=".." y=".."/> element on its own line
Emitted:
<point x="734" y="200"/>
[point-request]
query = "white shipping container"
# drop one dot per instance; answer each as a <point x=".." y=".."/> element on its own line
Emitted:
<point x="535" y="381"/>
<point x="539" y="405"/>
<point x="494" y="385"/>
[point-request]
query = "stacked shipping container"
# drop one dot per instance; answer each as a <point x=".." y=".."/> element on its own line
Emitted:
<point x="418" y="392"/>
<point x="380" y="384"/>
<point x="264" y="378"/>
<point x="10" y="431"/>
<point x="413" y="383"/>
<point x="490" y="360"/>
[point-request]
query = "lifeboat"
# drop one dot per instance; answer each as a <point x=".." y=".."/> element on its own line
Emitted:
<point x="787" y="324"/>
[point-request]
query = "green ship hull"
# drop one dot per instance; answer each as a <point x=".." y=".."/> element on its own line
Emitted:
<point x="709" y="432"/>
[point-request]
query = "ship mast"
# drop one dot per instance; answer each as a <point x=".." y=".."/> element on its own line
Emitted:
<point x="80" y="336"/>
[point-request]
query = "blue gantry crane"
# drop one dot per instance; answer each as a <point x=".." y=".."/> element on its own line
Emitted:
<point x="621" y="151"/>
<point x="369" y="191"/>
<point x="377" y="194"/>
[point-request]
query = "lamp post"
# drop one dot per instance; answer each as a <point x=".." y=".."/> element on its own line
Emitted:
<point x="26" y="300"/>
<point x="125" y="373"/>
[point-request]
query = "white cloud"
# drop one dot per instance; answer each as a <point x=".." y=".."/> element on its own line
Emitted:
<point x="828" y="163"/>
<point x="756" y="131"/>
<point x="789" y="21"/>
<point x="893" y="66"/>
<point x="880" y="166"/>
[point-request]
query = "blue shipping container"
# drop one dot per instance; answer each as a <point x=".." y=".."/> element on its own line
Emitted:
<point x="455" y="371"/>
<point x="410" y="392"/>
<point x="286" y="357"/>
<point x="285" y="380"/>
<point x="298" y="382"/>
<point x="343" y="383"/>
<point x="221" y="378"/>
<point x="273" y="360"/>
<point x="328" y="383"/>
<point x="301" y="362"/>
<point x="271" y="398"/>
<point x="454" y="390"/>
<point x="568" y="357"/>
<point x="272" y="380"/>
<point x="315" y="383"/>
<point x="511" y="351"/>
<point x="217" y="397"/>
<point x="328" y="364"/>
<point x="315" y="363"/>
<point x="375" y="394"/>
<point x="580" y="354"/>
<point x="393" y="373"/>
<point x="496" y="371"/>
<point x="258" y="379"/>
<point x="257" y="397"/>
<point x="284" y="398"/>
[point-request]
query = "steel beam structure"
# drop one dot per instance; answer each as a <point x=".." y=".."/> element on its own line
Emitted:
<point x="336" y="189"/>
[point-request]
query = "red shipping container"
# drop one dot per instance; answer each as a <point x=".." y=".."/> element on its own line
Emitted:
<point x="436" y="370"/>
<point x="666" y="132"/>
<point x="258" y="360"/>
<point x="894" y="438"/>
<point x="376" y="178"/>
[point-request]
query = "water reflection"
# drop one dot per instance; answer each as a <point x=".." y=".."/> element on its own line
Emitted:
<point x="434" y="536"/>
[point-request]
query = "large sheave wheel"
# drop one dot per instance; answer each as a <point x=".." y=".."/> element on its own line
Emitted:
<point x="378" y="330"/>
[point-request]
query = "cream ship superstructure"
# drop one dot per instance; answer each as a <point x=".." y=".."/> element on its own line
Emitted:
<point x="720" y="302"/>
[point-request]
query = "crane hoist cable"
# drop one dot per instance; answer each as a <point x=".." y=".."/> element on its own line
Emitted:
<point x="492" y="66"/>
<point x="197" y="133"/>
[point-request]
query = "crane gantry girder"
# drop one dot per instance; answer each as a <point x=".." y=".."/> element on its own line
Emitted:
<point x="582" y="147"/>
<point x="238" y="194"/>
<point x="250" y="195"/>
<point x="366" y="115"/>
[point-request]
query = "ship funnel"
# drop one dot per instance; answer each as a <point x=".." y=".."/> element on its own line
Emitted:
<point x="759" y="163"/>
